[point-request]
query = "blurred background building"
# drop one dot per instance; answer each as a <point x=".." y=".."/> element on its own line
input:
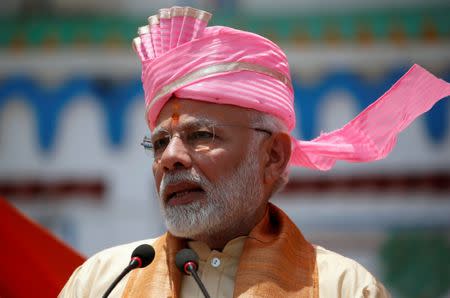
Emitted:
<point x="72" y="118"/>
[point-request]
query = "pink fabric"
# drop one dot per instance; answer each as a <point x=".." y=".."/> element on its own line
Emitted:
<point x="164" y="25"/>
<point x="156" y="40"/>
<point x="223" y="45"/>
<point x="175" y="27"/>
<point x="260" y="92"/>
<point x="146" y="46"/>
<point x="175" y="71"/>
<point x="139" y="49"/>
<point x="373" y="133"/>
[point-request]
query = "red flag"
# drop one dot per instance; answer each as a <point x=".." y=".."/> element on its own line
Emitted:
<point x="34" y="263"/>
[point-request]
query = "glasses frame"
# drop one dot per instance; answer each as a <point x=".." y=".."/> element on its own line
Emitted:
<point x="148" y="144"/>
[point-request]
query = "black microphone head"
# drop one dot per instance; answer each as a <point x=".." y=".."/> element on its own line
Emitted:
<point x="184" y="256"/>
<point x="145" y="252"/>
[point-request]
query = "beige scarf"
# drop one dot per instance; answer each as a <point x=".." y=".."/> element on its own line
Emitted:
<point x="276" y="261"/>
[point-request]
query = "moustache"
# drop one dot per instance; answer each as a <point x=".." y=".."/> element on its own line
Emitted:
<point x="179" y="177"/>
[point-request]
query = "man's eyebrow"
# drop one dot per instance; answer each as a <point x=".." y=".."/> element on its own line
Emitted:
<point x="158" y="130"/>
<point x="192" y="123"/>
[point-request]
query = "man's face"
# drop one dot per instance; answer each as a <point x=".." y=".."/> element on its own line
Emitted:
<point x="205" y="186"/>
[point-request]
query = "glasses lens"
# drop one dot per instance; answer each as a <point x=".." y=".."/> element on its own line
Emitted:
<point x="160" y="143"/>
<point x="201" y="137"/>
<point x="147" y="144"/>
<point x="197" y="137"/>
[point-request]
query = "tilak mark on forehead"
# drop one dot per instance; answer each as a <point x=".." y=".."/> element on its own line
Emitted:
<point x="175" y="115"/>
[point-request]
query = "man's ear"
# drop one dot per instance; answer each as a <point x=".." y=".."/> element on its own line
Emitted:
<point x="278" y="155"/>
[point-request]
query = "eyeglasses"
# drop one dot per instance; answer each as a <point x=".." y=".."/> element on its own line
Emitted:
<point x="198" y="137"/>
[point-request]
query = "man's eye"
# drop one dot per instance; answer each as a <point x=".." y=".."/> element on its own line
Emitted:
<point x="161" y="143"/>
<point x="200" y="135"/>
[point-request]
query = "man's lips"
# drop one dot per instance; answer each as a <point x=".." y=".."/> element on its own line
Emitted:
<point x="182" y="193"/>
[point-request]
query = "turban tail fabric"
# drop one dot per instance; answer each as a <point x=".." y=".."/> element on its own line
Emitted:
<point x="183" y="57"/>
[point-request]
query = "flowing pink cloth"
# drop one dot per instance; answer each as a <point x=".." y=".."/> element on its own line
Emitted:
<point x="228" y="66"/>
<point x="373" y="133"/>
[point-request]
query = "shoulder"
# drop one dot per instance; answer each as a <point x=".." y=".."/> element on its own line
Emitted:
<point x="343" y="277"/>
<point x="95" y="275"/>
<point x="117" y="255"/>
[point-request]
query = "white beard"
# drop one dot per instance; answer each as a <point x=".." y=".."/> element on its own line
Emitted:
<point x="228" y="202"/>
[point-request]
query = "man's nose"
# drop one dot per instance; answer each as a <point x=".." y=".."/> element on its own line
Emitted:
<point x="176" y="155"/>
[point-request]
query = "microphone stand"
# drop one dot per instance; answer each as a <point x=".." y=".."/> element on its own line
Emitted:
<point x="133" y="264"/>
<point x="191" y="268"/>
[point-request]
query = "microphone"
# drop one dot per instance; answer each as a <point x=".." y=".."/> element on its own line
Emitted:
<point x="141" y="257"/>
<point x="187" y="262"/>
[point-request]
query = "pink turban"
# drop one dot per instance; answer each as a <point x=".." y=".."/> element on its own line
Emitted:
<point x="181" y="56"/>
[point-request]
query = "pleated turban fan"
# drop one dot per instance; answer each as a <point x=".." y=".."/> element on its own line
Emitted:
<point x="183" y="57"/>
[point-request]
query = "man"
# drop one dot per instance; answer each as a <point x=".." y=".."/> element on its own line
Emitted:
<point x="220" y="106"/>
